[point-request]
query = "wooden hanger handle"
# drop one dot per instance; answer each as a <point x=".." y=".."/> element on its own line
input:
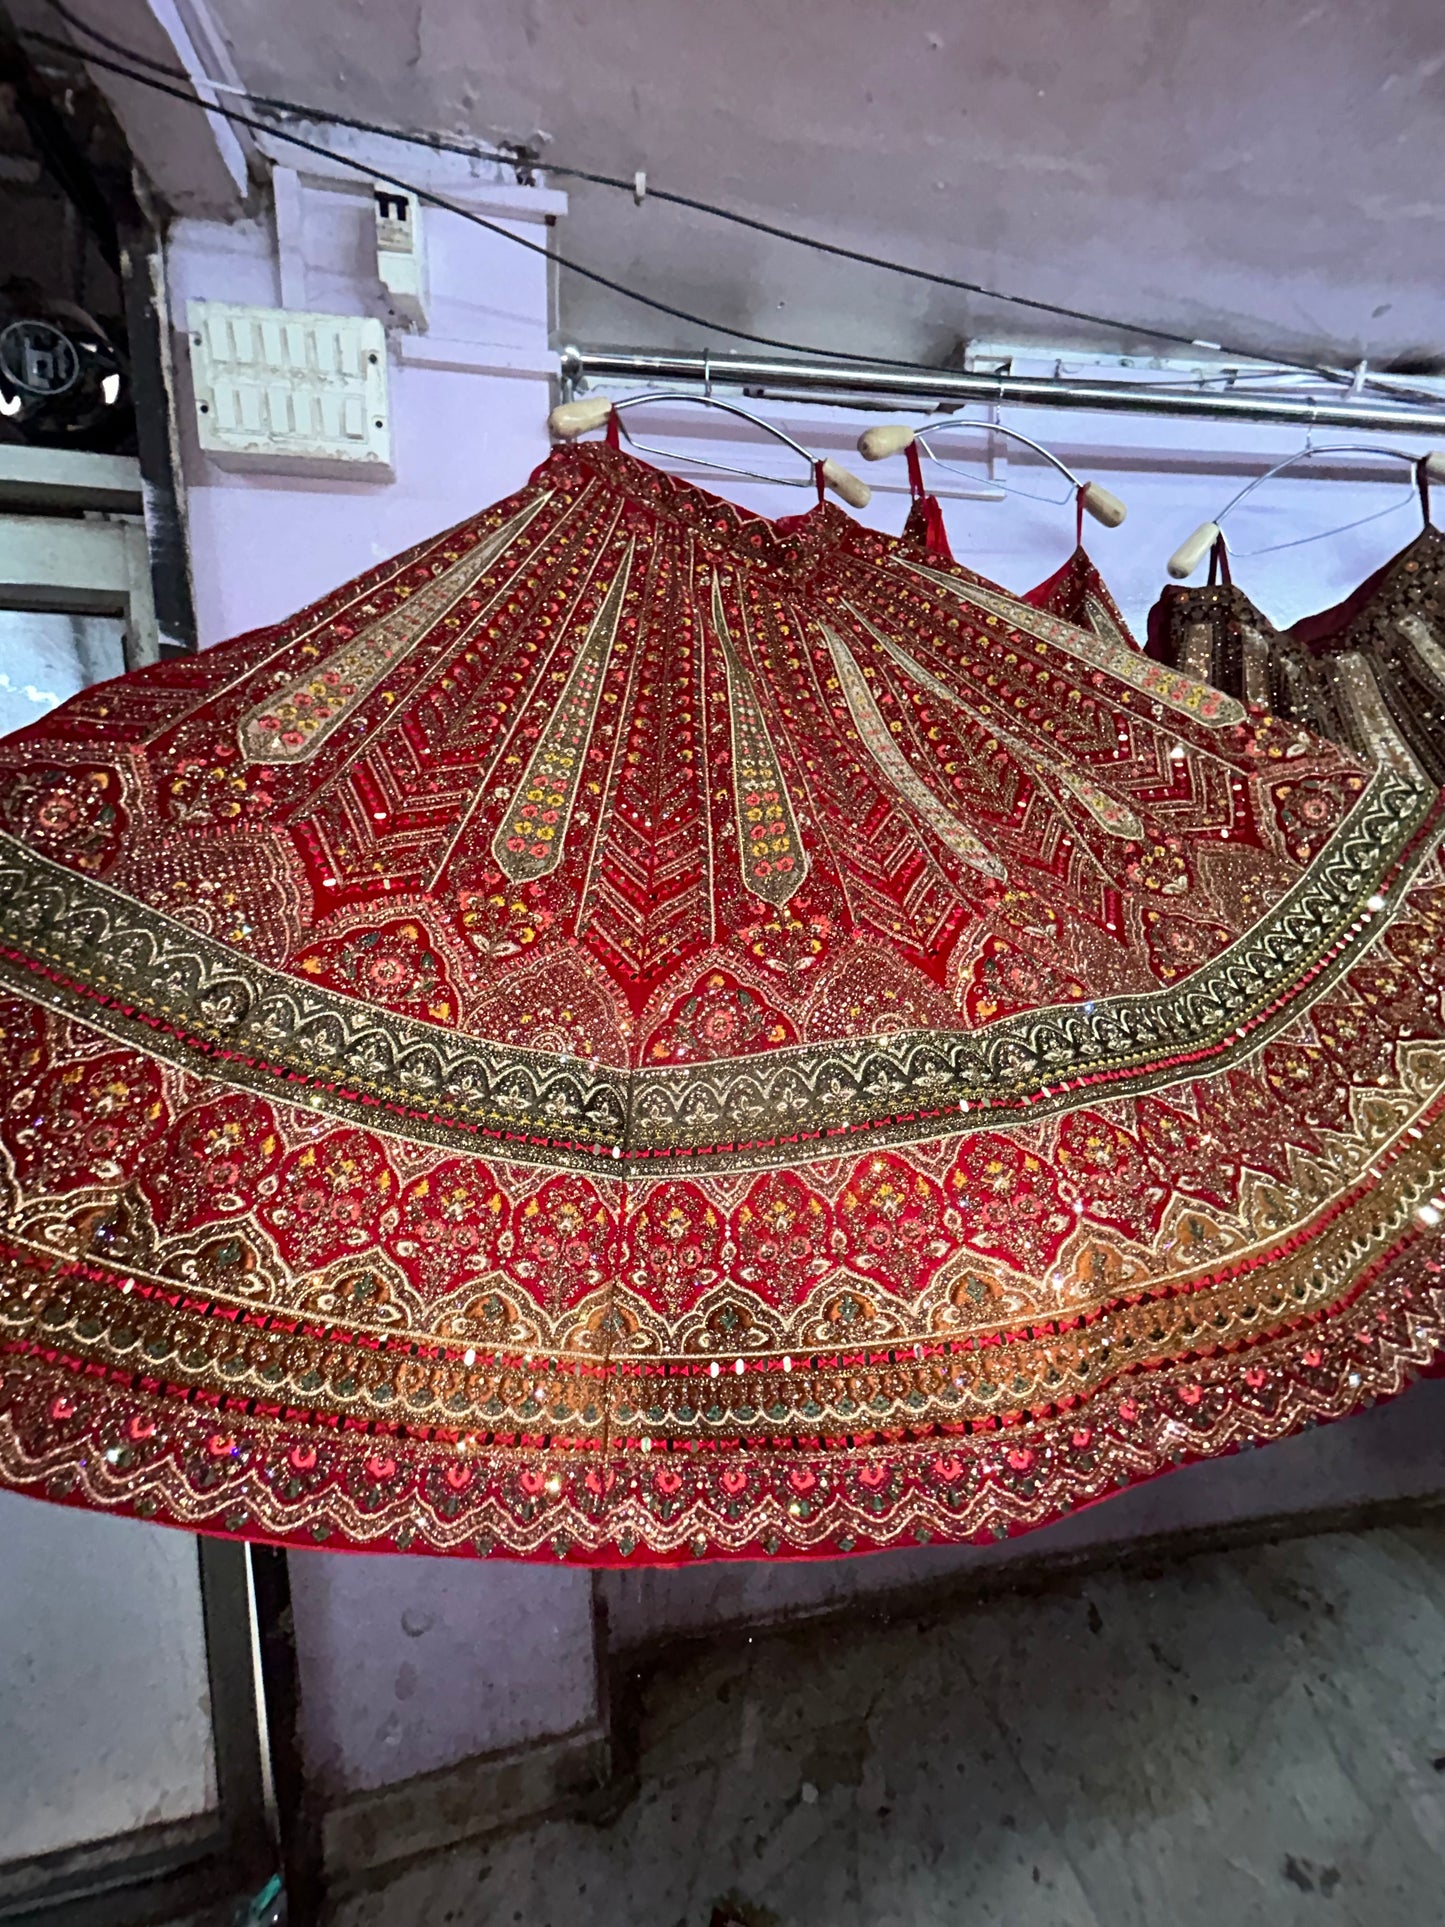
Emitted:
<point x="1190" y="553"/>
<point x="569" y="419"/>
<point x="1435" y="464"/>
<point x="844" y="482"/>
<point x="876" y="443"/>
<point x="1103" y="506"/>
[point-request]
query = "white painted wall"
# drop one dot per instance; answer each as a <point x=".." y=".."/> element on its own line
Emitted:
<point x="105" y="1717"/>
<point x="263" y="545"/>
<point x="410" y="1665"/>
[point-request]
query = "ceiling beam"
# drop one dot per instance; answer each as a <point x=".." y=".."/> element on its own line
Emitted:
<point x="197" y="163"/>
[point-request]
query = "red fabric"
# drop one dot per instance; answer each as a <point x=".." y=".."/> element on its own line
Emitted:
<point x="925" y="523"/>
<point x="1075" y="592"/>
<point x="634" y="1033"/>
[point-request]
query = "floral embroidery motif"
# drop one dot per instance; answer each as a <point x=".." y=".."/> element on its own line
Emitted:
<point x="394" y="965"/>
<point x="533" y="833"/>
<point x="70" y="810"/>
<point x="769" y="848"/>
<point x="874" y="734"/>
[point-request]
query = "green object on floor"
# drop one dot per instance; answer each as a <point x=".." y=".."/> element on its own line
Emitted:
<point x="267" y="1908"/>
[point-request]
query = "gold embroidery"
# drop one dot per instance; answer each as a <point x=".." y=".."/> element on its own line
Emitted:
<point x="1190" y="698"/>
<point x="1256" y="666"/>
<point x="1103" y="624"/>
<point x="873" y="733"/>
<point x="1372" y="728"/>
<point x="770" y="850"/>
<point x="438" y="1084"/>
<point x="1196" y="652"/>
<point x="291" y="725"/>
<point x="1107" y="811"/>
<point x="533" y="830"/>
<point x="1423" y="640"/>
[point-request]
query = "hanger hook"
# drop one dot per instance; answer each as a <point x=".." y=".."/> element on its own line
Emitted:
<point x="1104" y="506"/>
<point x="578" y="418"/>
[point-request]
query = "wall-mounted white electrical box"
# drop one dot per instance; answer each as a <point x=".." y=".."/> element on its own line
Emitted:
<point x="401" y="252"/>
<point x="292" y="392"/>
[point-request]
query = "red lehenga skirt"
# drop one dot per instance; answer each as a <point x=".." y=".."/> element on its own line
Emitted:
<point x="632" y="1032"/>
<point x="1075" y="592"/>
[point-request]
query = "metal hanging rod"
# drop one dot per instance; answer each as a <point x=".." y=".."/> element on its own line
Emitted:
<point x="925" y="386"/>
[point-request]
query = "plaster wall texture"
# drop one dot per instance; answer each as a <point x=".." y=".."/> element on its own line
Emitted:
<point x="104" y="1703"/>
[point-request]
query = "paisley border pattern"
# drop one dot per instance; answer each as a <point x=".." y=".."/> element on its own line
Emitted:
<point x="128" y="1441"/>
<point x="82" y="948"/>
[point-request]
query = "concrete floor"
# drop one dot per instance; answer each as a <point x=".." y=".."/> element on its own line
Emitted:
<point x="1251" y="1736"/>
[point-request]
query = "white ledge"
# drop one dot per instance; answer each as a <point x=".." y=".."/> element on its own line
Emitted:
<point x="476" y="357"/>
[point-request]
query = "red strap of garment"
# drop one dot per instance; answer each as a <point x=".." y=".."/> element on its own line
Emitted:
<point x="819" y="478"/>
<point x="935" y="535"/>
<point x="614" y="436"/>
<point x="1079" y="515"/>
<point x="1219" y="562"/>
<point x="1422" y="482"/>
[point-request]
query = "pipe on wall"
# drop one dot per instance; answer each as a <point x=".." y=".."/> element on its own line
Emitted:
<point x="928" y="386"/>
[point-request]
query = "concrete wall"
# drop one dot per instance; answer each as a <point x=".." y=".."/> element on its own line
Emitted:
<point x="105" y="1716"/>
<point x="411" y="1666"/>
<point x="1245" y="172"/>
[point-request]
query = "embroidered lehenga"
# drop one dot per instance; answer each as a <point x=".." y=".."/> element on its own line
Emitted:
<point x="1075" y="592"/>
<point x="634" y="1032"/>
<point x="1368" y="673"/>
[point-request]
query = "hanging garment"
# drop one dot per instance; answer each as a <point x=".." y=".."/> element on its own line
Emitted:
<point x="1075" y="592"/>
<point x="1368" y="673"/>
<point x="632" y="1033"/>
<point x="1078" y="593"/>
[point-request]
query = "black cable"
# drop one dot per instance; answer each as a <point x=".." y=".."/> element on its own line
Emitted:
<point x="438" y="143"/>
<point x="426" y="195"/>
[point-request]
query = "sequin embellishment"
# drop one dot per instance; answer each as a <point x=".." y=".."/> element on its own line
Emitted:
<point x="533" y="831"/>
<point x="1107" y="811"/>
<point x="774" y="862"/>
<point x="876" y="738"/>
<point x="291" y="725"/>
<point x="1196" y="700"/>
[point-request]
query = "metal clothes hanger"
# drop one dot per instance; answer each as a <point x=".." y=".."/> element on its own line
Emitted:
<point x="1191" y="552"/>
<point x="573" y="418"/>
<point x="877" y="443"/>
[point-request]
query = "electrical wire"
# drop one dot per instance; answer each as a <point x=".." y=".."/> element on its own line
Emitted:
<point x="431" y="198"/>
<point x="439" y="143"/>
